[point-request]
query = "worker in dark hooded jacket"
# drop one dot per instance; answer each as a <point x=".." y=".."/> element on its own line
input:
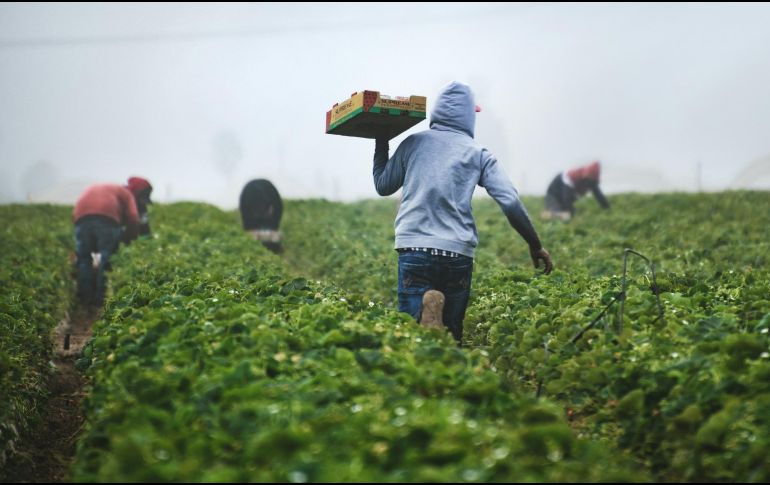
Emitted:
<point x="261" y="209"/>
<point x="436" y="236"/>
<point x="568" y="186"/>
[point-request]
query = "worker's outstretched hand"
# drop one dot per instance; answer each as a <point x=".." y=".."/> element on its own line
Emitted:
<point x="542" y="255"/>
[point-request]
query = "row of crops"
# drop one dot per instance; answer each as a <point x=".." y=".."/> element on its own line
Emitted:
<point x="687" y="396"/>
<point x="213" y="364"/>
<point x="218" y="361"/>
<point x="35" y="290"/>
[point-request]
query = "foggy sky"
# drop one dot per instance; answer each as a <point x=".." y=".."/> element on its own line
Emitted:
<point x="202" y="98"/>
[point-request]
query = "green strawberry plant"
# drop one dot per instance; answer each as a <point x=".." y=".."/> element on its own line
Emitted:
<point x="213" y="363"/>
<point x="36" y="288"/>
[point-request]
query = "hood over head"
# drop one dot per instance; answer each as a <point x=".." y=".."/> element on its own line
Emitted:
<point x="455" y="109"/>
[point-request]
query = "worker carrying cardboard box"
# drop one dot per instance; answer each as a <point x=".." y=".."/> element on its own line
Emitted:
<point x="438" y="170"/>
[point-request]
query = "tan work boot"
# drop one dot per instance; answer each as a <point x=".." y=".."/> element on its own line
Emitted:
<point x="433" y="309"/>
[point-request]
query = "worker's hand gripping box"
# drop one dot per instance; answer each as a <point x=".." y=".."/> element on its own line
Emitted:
<point x="368" y="114"/>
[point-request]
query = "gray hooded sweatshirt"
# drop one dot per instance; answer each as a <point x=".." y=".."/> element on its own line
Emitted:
<point x="439" y="169"/>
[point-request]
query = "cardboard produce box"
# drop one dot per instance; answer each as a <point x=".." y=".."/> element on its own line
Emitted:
<point x="368" y="114"/>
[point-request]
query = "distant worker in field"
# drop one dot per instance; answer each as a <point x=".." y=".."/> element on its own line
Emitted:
<point x="435" y="230"/>
<point x="103" y="215"/>
<point x="568" y="186"/>
<point x="261" y="209"/>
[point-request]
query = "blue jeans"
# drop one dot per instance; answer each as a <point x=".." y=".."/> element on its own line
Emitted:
<point x="94" y="234"/>
<point x="419" y="272"/>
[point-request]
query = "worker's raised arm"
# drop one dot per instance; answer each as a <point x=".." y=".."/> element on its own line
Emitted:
<point x="388" y="173"/>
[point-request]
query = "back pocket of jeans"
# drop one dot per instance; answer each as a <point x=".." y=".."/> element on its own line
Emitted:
<point x="413" y="278"/>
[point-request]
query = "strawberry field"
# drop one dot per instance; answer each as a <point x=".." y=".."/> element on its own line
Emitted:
<point x="36" y="289"/>
<point x="216" y="360"/>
